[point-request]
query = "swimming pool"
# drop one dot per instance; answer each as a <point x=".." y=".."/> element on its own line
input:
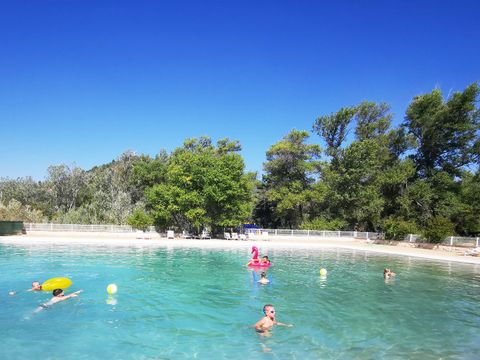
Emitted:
<point x="199" y="303"/>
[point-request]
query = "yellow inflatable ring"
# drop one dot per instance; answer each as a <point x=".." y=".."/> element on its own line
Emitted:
<point x="56" y="283"/>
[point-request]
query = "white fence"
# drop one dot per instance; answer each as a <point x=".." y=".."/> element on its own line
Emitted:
<point x="82" y="228"/>
<point x="462" y="241"/>
<point x="320" y="233"/>
<point x="451" y="240"/>
<point x="271" y="232"/>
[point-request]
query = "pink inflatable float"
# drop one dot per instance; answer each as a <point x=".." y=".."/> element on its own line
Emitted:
<point x="255" y="261"/>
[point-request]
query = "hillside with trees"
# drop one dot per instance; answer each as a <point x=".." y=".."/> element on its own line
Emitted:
<point x="352" y="170"/>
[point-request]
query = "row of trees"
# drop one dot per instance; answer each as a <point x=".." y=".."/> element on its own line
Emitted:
<point x="419" y="177"/>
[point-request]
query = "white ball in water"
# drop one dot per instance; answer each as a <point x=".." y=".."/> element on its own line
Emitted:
<point x="112" y="289"/>
<point x="11" y="293"/>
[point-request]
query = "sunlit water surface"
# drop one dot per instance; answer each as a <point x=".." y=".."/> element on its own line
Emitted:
<point x="178" y="303"/>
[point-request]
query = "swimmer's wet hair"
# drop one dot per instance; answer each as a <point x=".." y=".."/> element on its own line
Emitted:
<point x="57" y="292"/>
<point x="263" y="274"/>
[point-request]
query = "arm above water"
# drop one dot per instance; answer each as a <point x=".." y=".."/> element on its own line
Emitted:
<point x="282" y="324"/>
<point x="74" y="294"/>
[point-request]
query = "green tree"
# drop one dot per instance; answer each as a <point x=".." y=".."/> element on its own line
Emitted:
<point x="148" y="172"/>
<point x="15" y="211"/>
<point x="466" y="218"/>
<point x="320" y="223"/>
<point x="333" y="129"/>
<point x="206" y="186"/>
<point x="65" y="183"/>
<point x="140" y="220"/>
<point x="399" y="229"/>
<point x="437" y="229"/>
<point x="446" y="130"/>
<point x="29" y="192"/>
<point x="354" y="186"/>
<point x="289" y="174"/>
<point x="373" y="120"/>
<point x="363" y="181"/>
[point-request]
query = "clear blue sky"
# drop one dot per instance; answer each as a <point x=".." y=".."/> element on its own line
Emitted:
<point x="83" y="81"/>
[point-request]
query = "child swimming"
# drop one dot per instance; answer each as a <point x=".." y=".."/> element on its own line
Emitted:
<point x="263" y="279"/>
<point x="387" y="274"/>
<point x="35" y="286"/>
<point x="58" y="295"/>
<point x="267" y="322"/>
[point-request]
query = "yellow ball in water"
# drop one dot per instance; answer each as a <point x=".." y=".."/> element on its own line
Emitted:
<point x="112" y="289"/>
<point x="323" y="272"/>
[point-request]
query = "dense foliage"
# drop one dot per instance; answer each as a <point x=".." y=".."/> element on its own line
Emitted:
<point x="205" y="187"/>
<point x="422" y="176"/>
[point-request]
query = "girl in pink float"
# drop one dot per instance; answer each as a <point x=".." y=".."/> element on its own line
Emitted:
<point x="256" y="262"/>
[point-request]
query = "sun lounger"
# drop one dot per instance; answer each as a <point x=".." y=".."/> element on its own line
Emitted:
<point x="242" y="237"/>
<point x="234" y="236"/>
<point x="473" y="252"/>
<point x="204" y="235"/>
<point x="170" y="234"/>
<point x="265" y="236"/>
<point x="227" y="236"/>
<point x="186" y="235"/>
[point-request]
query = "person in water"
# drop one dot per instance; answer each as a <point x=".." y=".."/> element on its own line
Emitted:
<point x="267" y="322"/>
<point x="388" y="274"/>
<point x="58" y="295"/>
<point x="36" y="286"/>
<point x="263" y="278"/>
<point x="265" y="260"/>
<point x="253" y="262"/>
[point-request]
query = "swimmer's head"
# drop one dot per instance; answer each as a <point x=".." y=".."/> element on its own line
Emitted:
<point x="57" y="292"/>
<point x="268" y="310"/>
<point x="265" y="257"/>
<point x="36" y="285"/>
<point x="263" y="274"/>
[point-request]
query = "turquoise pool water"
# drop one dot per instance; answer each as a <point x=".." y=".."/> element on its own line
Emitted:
<point x="176" y="303"/>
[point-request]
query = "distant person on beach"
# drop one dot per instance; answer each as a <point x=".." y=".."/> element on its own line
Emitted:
<point x="36" y="286"/>
<point x="263" y="278"/>
<point x="58" y="296"/>
<point x="266" y="323"/>
<point x="388" y="274"/>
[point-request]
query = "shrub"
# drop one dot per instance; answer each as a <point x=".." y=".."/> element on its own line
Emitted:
<point x="82" y="215"/>
<point x="398" y="229"/>
<point x="321" y="223"/>
<point x="15" y="211"/>
<point x="140" y="220"/>
<point x="437" y="229"/>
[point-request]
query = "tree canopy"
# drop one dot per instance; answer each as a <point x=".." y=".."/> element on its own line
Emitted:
<point x="357" y="172"/>
<point x="205" y="187"/>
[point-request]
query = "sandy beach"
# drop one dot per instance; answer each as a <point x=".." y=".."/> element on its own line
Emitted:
<point x="443" y="253"/>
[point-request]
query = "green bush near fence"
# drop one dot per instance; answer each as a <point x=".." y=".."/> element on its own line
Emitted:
<point x="437" y="229"/>
<point x="11" y="227"/>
